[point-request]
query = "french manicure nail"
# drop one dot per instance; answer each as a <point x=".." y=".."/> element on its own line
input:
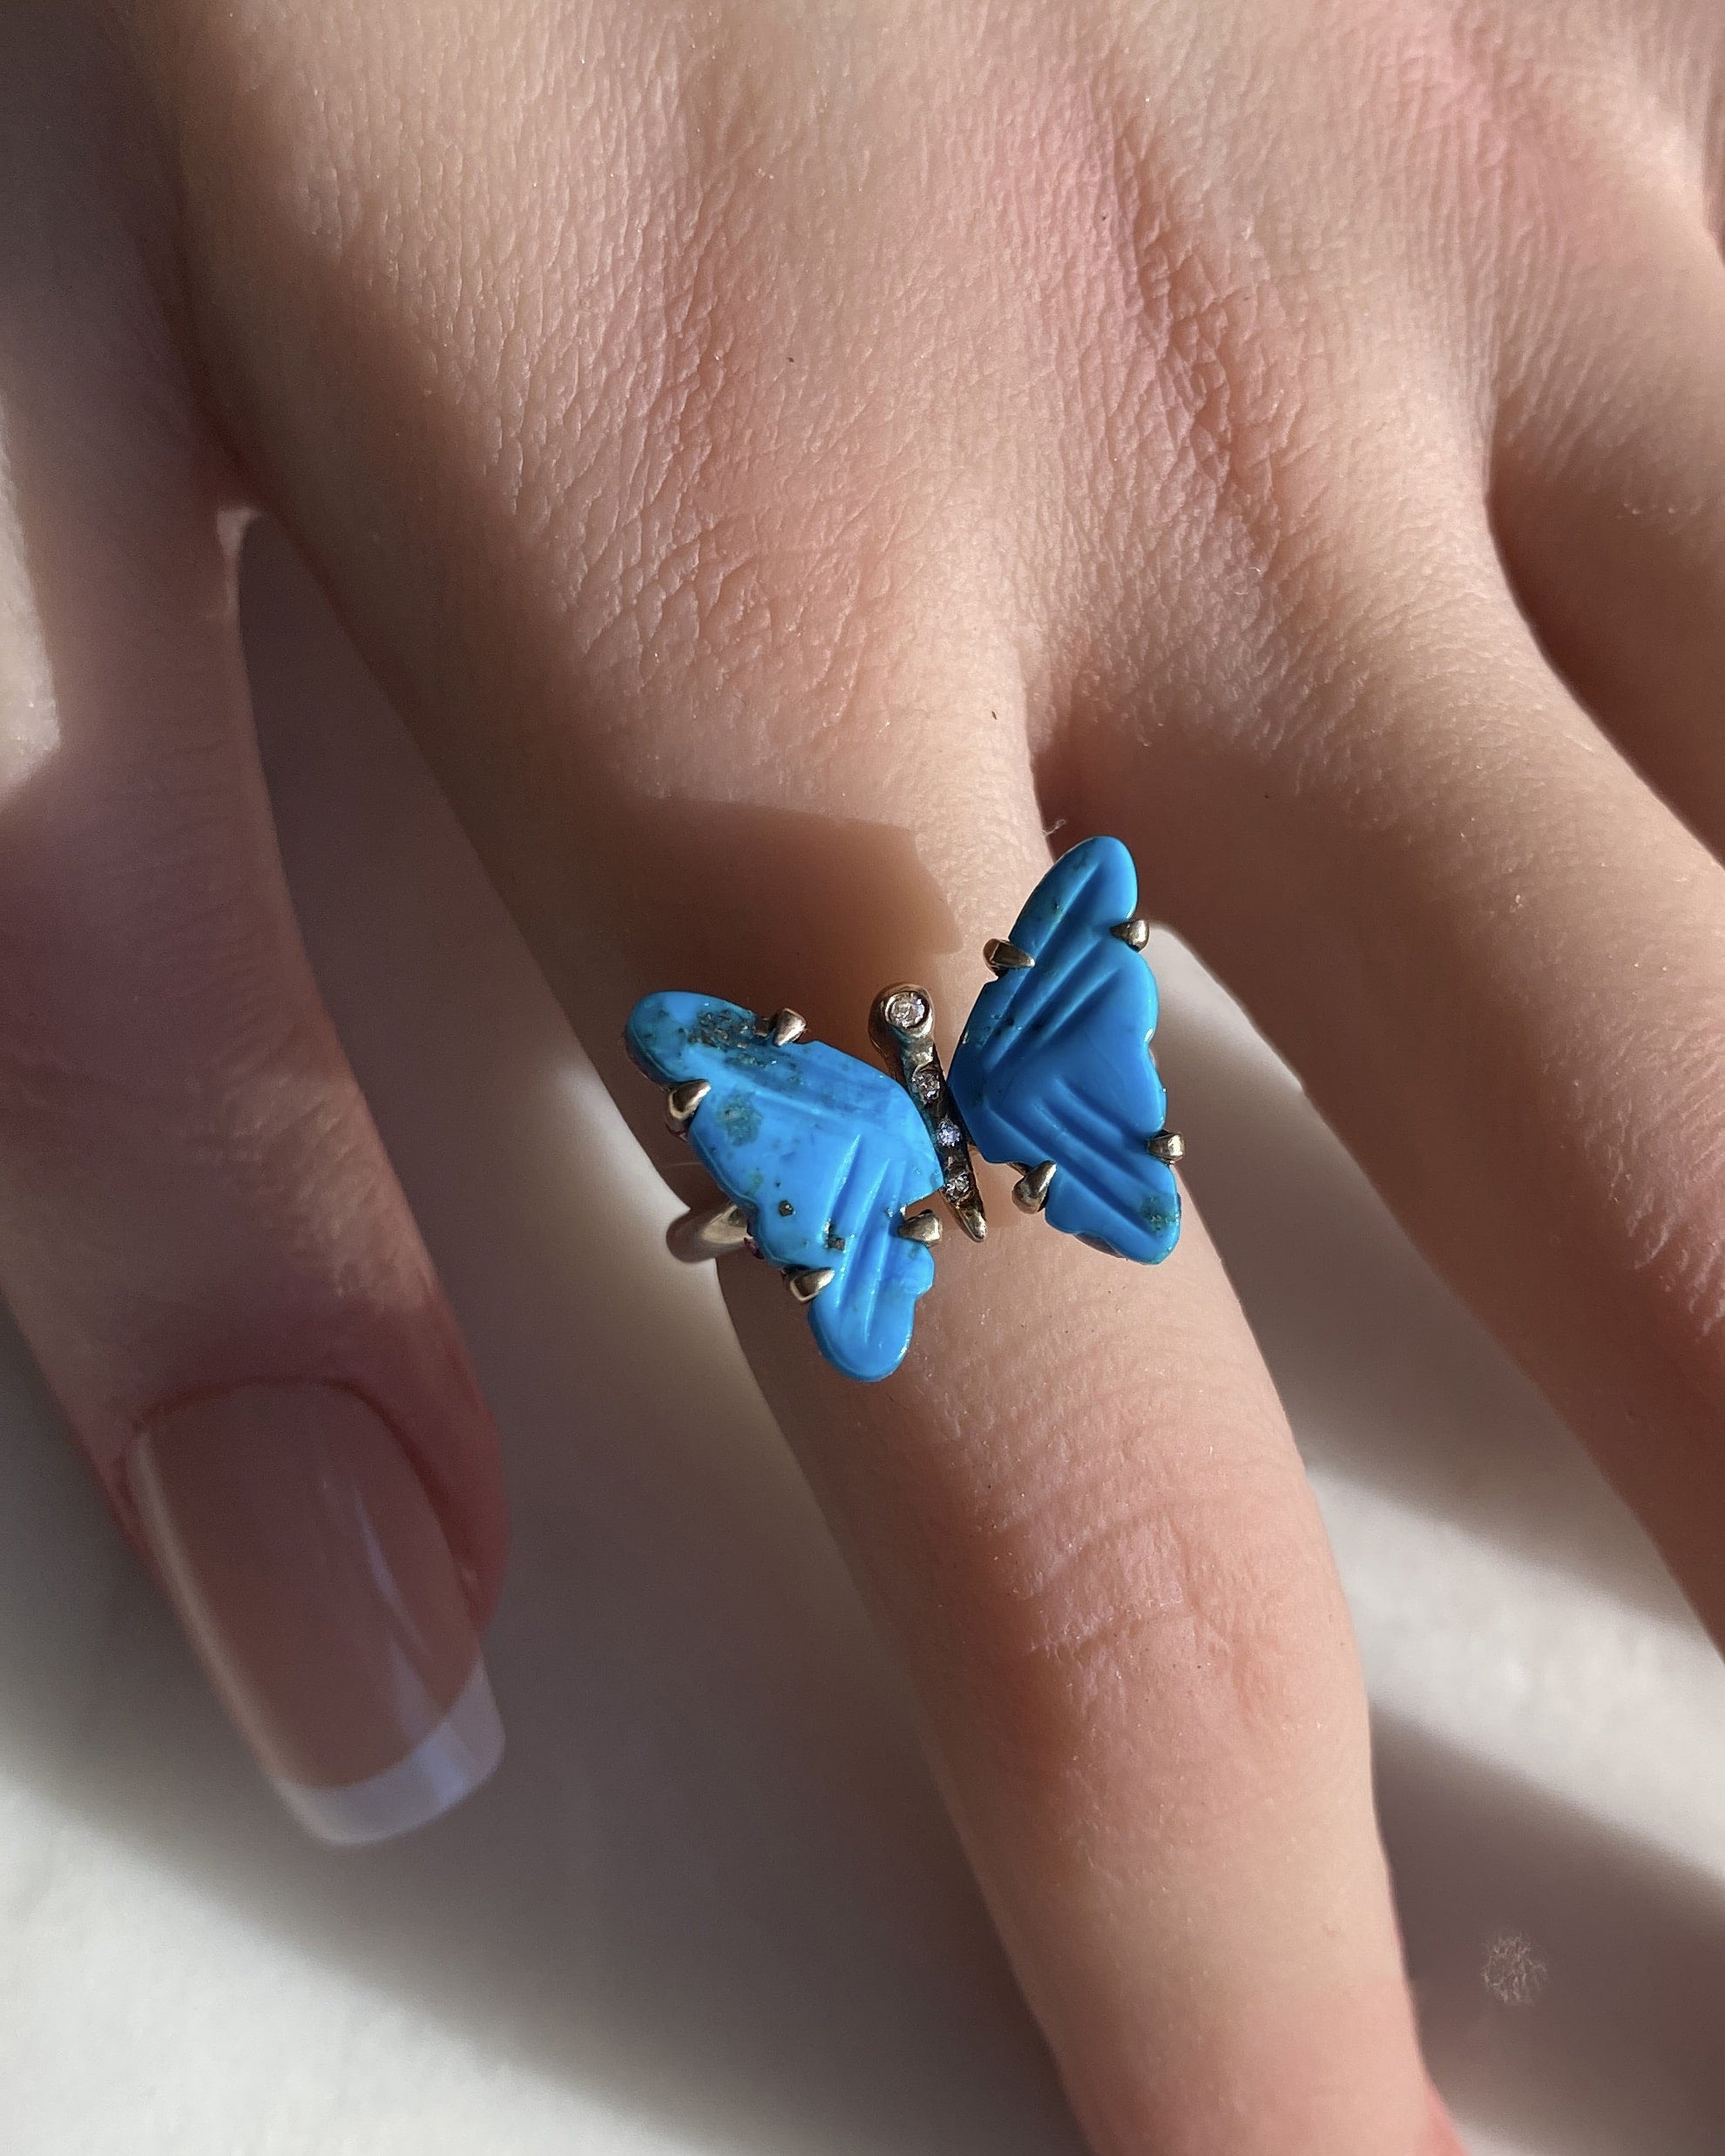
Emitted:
<point x="301" y="1549"/>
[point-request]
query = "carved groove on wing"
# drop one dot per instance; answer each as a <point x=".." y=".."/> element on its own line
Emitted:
<point x="863" y="1320"/>
<point x="1055" y="1064"/>
<point x="1137" y="1192"/>
<point x="821" y="1151"/>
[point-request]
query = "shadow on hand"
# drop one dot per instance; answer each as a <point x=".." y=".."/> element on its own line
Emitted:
<point x="1388" y="1379"/>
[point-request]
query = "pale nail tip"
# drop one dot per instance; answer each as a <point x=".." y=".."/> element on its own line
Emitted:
<point x="459" y="1756"/>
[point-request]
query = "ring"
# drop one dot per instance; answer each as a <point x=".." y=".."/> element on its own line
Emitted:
<point x="827" y="1166"/>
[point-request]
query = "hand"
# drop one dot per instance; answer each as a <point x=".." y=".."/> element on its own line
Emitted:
<point x="786" y="462"/>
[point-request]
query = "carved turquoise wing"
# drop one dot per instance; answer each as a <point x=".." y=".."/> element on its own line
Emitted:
<point x="822" y="1153"/>
<point x="1055" y="1063"/>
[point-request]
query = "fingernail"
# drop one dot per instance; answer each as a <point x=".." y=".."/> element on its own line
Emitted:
<point x="302" y="1552"/>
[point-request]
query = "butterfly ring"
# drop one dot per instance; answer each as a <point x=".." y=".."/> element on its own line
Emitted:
<point x="828" y="1168"/>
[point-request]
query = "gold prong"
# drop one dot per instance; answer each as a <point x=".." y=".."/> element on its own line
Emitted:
<point x="786" y="1026"/>
<point x="807" y="1283"/>
<point x="1168" y="1146"/>
<point x="1004" y="956"/>
<point x="1030" y="1192"/>
<point x="919" y="1227"/>
<point x="709" y="1232"/>
<point x="681" y="1102"/>
<point x="1134" y="933"/>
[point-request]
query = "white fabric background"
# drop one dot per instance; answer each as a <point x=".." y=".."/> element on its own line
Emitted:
<point x="710" y="1904"/>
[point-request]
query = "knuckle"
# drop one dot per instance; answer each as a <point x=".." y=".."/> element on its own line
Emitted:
<point x="1122" y="1614"/>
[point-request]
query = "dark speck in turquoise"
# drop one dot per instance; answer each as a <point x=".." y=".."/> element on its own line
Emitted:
<point x="740" y="1119"/>
<point x="722" y="1025"/>
<point x="732" y="1033"/>
<point x="808" y="1142"/>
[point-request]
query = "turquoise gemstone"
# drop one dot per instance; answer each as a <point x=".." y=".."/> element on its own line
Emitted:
<point x="1055" y="1063"/>
<point x="821" y="1151"/>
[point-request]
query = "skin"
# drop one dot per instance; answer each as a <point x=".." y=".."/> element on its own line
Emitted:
<point x="785" y="461"/>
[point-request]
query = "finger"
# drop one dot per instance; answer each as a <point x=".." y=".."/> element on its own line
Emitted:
<point x="1609" y="497"/>
<point x="1078" y="1513"/>
<point x="199" y="1232"/>
<point x="1076" y="1510"/>
<point x="1498" y="962"/>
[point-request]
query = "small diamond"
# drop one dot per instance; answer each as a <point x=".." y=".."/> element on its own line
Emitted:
<point x="926" y="1084"/>
<point x="947" y="1132"/>
<point x="957" y="1185"/>
<point x="907" y="1010"/>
